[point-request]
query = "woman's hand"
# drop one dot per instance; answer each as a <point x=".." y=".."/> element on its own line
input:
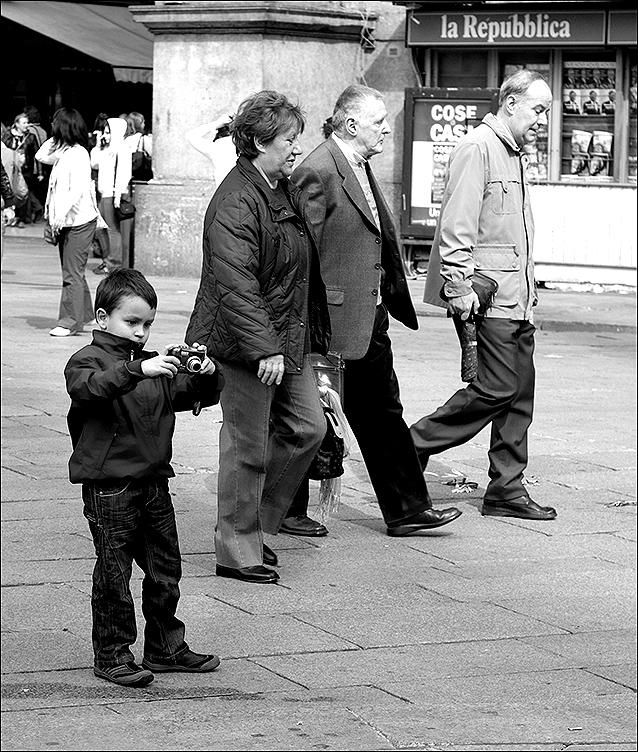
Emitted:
<point x="271" y="370"/>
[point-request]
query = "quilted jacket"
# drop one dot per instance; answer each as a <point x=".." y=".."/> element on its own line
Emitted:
<point x="256" y="296"/>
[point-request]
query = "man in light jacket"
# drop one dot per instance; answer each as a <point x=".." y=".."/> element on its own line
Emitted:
<point x="486" y="226"/>
<point x="365" y="284"/>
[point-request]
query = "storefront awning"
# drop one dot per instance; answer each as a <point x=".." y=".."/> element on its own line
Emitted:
<point x="105" y="32"/>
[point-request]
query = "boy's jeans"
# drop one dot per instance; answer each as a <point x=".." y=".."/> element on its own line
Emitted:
<point x="134" y="521"/>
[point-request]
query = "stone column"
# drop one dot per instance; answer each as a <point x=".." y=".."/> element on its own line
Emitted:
<point x="208" y="56"/>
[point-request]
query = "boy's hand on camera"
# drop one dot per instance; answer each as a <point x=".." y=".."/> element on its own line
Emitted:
<point x="160" y="365"/>
<point x="208" y="367"/>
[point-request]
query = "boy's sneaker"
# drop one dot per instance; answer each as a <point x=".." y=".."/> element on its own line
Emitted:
<point x="193" y="663"/>
<point x="127" y="674"/>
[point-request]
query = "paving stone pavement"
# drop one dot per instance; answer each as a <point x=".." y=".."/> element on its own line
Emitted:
<point x="489" y="634"/>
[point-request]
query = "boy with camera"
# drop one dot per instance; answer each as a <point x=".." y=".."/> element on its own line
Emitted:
<point x="121" y="422"/>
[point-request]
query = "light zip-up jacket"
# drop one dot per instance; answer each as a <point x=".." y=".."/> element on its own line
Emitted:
<point x="485" y="223"/>
<point x="70" y="200"/>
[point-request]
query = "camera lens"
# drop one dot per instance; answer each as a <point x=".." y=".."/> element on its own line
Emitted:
<point x="193" y="365"/>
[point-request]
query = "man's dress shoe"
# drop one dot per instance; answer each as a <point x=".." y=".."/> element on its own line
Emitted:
<point x="248" y="574"/>
<point x="522" y="507"/>
<point x="428" y="519"/>
<point x="270" y="557"/>
<point x="303" y="525"/>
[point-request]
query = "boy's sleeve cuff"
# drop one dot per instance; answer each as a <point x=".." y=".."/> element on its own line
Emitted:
<point x="134" y="367"/>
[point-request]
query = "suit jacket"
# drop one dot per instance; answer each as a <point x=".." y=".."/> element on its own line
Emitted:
<point x="352" y="250"/>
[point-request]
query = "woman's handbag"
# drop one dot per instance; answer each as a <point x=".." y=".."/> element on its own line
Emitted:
<point x="328" y="462"/>
<point x="126" y="210"/>
<point x="327" y="465"/>
<point x="50" y="235"/>
<point x="141" y="162"/>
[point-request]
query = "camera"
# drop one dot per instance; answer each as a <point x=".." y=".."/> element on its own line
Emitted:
<point x="190" y="358"/>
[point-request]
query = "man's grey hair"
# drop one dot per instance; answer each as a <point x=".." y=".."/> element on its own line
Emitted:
<point x="351" y="103"/>
<point x="518" y="83"/>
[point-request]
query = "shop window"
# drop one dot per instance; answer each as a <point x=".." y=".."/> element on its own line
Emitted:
<point x="631" y="158"/>
<point x="461" y="69"/>
<point x="589" y="111"/>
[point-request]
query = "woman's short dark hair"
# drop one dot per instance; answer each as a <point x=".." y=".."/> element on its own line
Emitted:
<point x="68" y="128"/>
<point x="261" y="117"/>
<point x="123" y="283"/>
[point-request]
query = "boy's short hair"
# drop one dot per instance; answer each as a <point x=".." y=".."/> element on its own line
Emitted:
<point x="123" y="283"/>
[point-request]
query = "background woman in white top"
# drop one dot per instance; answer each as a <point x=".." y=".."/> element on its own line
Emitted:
<point x="72" y="213"/>
<point x="112" y="160"/>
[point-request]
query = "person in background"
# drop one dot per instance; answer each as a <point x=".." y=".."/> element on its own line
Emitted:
<point x="72" y="213"/>
<point x="100" y="136"/>
<point x="112" y="160"/>
<point x="365" y="280"/>
<point x="24" y="144"/>
<point x="486" y="225"/>
<point x="213" y="140"/>
<point x="40" y="182"/>
<point x="7" y="202"/>
<point x="261" y="310"/>
<point x="12" y="163"/>
<point x="140" y="145"/>
<point x="121" y="422"/>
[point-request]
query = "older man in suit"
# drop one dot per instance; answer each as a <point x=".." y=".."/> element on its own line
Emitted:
<point x="365" y="282"/>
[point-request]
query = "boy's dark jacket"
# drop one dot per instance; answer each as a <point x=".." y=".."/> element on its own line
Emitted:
<point x="121" y="422"/>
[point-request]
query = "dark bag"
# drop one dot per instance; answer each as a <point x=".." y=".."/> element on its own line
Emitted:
<point x="50" y="236"/>
<point x="125" y="211"/>
<point x="486" y="289"/>
<point x="328" y="462"/>
<point x="141" y="164"/>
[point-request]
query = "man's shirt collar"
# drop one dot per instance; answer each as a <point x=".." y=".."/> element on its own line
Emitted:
<point x="349" y="153"/>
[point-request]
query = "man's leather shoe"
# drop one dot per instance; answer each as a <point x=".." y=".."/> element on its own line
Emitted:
<point x="270" y="557"/>
<point x="522" y="507"/>
<point x="248" y="574"/>
<point x="303" y="525"/>
<point x="425" y="520"/>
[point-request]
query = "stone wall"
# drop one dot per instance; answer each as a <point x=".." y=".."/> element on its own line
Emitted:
<point x="209" y="55"/>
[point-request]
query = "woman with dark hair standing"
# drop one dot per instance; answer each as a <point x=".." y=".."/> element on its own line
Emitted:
<point x="72" y="213"/>
<point x="260" y="310"/>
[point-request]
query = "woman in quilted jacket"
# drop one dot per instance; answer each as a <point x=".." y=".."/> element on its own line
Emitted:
<point x="261" y="309"/>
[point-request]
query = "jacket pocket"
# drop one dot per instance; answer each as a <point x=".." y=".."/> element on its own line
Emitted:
<point x="502" y="264"/>
<point x="505" y="196"/>
<point x="335" y="295"/>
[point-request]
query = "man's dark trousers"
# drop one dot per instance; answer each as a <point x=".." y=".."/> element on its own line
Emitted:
<point x="373" y="408"/>
<point x="503" y="394"/>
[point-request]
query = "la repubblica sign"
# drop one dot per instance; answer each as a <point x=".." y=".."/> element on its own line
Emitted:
<point x="503" y="29"/>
